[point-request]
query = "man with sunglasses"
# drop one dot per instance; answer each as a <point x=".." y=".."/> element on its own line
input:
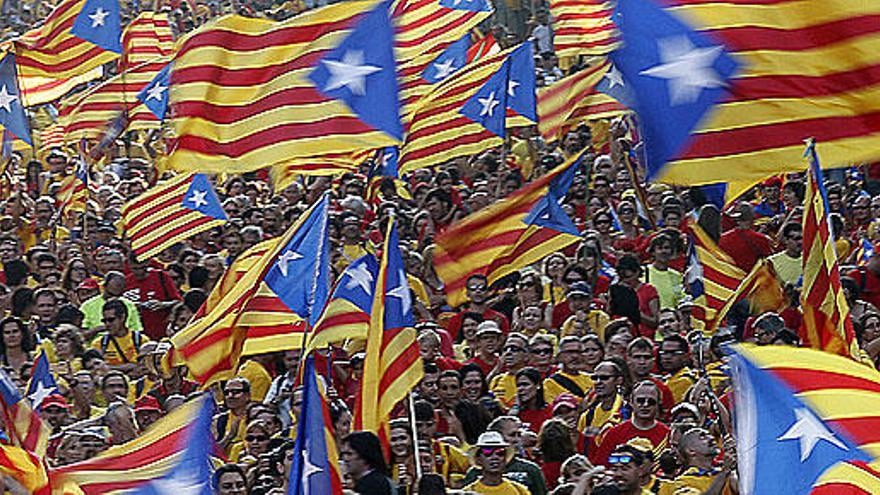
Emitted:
<point x="604" y="406"/>
<point x="645" y="402"/>
<point x="568" y="378"/>
<point x="514" y="357"/>
<point x="477" y="291"/>
<point x="492" y="453"/>
<point x="698" y="450"/>
<point x="626" y="466"/>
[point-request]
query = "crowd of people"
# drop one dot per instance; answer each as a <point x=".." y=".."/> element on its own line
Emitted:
<point x="586" y="373"/>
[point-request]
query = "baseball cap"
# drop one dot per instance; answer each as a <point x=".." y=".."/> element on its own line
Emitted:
<point x="580" y="289"/>
<point x="88" y="284"/>
<point x="55" y="400"/>
<point x="147" y="403"/>
<point x="564" y="399"/>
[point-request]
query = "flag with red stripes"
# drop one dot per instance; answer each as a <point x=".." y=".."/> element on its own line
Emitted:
<point x="21" y="423"/>
<point x="583" y="27"/>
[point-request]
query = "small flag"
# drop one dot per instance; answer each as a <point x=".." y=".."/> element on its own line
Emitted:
<point x="22" y="424"/>
<point x="454" y="57"/>
<point x="347" y="314"/>
<point x="12" y="114"/>
<point x="42" y="383"/>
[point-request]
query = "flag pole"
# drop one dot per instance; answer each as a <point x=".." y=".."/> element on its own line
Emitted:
<point x="415" y="435"/>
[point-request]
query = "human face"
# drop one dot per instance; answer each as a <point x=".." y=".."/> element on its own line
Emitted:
<point x="569" y="354"/>
<point x="667" y="323"/>
<point x="63" y="346"/>
<point x="429" y="386"/>
<point x="532" y="318"/>
<point x="794" y="243"/>
<point x="342" y="426"/>
<point x="526" y="390"/>
<point x="401" y="443"/>
<point x="541" y="355"/>
<point x="872" y="329"/>
<point x="555" y="265"/>
<point x="472" y="386"/>
<point x="593" y="353"/>
<point x="437" y="209"/>
<point x="235" y="396"/>
<point x="115" y="286"/>
<point x="606" y="380"/>
<point x="861" y="209"/>
<point x="115" y="388"/>
<point x="469" y="329"/>
<point x="231" y="484"/>
<point x="256" y="441"/>
<point x="114" y="323"/>
<point x="625" y="472"/>
<point x="617" y="344"/>
<point x="12" y="336"/>
<point x="641" y="362"/>
<point x="477" y="290"/>
<point x="428" y="349"/>
<point x="492" y="459"/>
<point x="449" y="390"/>
<point x="354" y="463"/>
<point x="489" y="342"/>
<point x="645" y="403"/>
<point x="45" y="307"/>
<point x="672" y="356"/>
<point x="515" y="353"/>
<point x="55" y="415"/>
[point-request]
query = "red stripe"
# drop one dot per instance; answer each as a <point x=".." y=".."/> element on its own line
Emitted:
<point x="181" y="232"/>
<point x="134" y="223"/>
<point x="274" y="330"/>
<point x="267" y="303"/>
<point x="795" y="86"/>
<point x="62" y="65"/>
<point x="448" y="146"/>
<point x="748" y="38"/>
<point x="804" y="380"/>
<point x="438" y="31"/>
<point x="156" y="194"/>
<point x="838" y="488"/>
<point x="342" y="320"/>
<point x="247" y="77"/>
<point x="224" y="114"/>
<point x="36" y="39"/>
<point x="241" y="42"/>
<point x="164" y="447"/>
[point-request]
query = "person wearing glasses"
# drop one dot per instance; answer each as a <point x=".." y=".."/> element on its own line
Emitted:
<point x="675" y="356"/>
<point x="645" y="403"/>
<point x="568" y="378"/>
<point x="502" y="380"/>
<point x="119" y="343"/>
<point x="477" y="292"/>
<point x="787" y="263"/>
<point x="229" y="425"/>
<point x="492" y="453"/>
<point x="698" y="449"/>
<point x="625" y="465"/>
<point x="604" y="406"/>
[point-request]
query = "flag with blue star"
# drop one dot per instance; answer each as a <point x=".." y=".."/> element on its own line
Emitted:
<point x="471" y="5"/>
<point x="12" y="115"/>
<point x="19" y="420"/>
<point x="191" y="474"/>
<point x="314" y="468"/>
<point x="361" y="71"/>
<point x="99" y="22"/>
<point x="383" y="173"/>
<point x="674" y="73"/>
<point x="155" y="94"/>
<point x="347" y="314"/>
<point x="488" y="106"/>
<point x="521" y="82"/>
<point x="454" y="57"/>
<point x="548" y="212"/>
<point x="787" y="402"/>
<point x="613" y="85"/>
<point x="865" y="252"/>
<point x="42" y="383"/>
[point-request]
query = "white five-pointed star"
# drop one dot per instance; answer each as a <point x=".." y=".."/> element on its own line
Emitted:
<point x="615" y="78"/>
<point x="308" y="470"/>
<point x="349" y="72"/>
<point x="40" y="394"/>
<point x="155" y="93"/>
<point x="809" y="430"/>
<point x="187" y="484"/>
<point x="98" y="17"/>
<point x="285" y="259"/>
<point x="489" y="103"/>
<point x="6" y="99"/>
<point x="445" y="68"/>
<point x="687" y="68"/>
<point x="198" y="198"/>
<point x="386" y="158"/>
<point x="359" y="276"/>
<point x="402" y="292"/>
<point x="511" y="87"/>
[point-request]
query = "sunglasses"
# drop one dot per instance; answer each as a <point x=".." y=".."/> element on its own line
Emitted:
<point x="618" y="459"/>
<point x="490" y="451"/>
<point x="602" y="378"/>
<point x="233" y="391"/>
<point x="646" y="401"/>
<point x="256" y="438"/>
<point x="543" y="352"/>
<point x="478" y="288"/>
<point x="514" y="349"/>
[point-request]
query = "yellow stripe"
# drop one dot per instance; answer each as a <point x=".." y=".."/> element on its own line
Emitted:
<point x="787" y="16"/>
<point x="848" y="473"/>
<point x="846" y="403"/>
<point x="782" y="357"/>
<point x="176" y="239"/>
<point x="148" y="232"/>
<point x="274" y="343"/>
<point x="817" y="62"/>
<point x="161" y="192"/>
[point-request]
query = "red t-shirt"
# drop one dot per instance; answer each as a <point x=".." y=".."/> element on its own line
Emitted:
<point x="486" y="367"/>
<point x="626" y="431"/>
<point x="157" y="286"/>
<point x="869" y="283"/>
<point x="454" y="324"/>
<point x="646" y="293"/>
<point x="745" y="247"/>
<point x="535" y="417"/>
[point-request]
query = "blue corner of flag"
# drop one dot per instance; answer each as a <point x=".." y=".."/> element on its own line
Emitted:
<point x="450" y="60"/>
<point x="300" y="275"/>
<point x="200" y="197"/>
<point x="155" y="94"/>
<point x="470" y="5"/>
<point x="12" y="114"/>
<point x="398" y="297"/>
<point x="693" y="276"/>
<point x="362" y="72"/>
<point x="613" y="85"/>
<point x="386" y="162"/>
<point x="100" y="22"/>
<point x="357" y="284"/>
<point x="521" y="82"/>
<point x="311" y="471"/>
<point x="675" y="74"/>
<point x="783" y="444"/>
<point x="715" y="193"/>
<point x="548" y="214"/>
<point x="42" y="383"/>
<point x="488" y="106"/>
<point x="9" y="393"/>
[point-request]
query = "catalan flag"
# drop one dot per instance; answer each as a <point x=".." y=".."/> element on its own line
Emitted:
<point x="244" y="262"/>
<point x="77" y="37"/>
<point x="26" y="468"/>
<point x="12" y="114"/>
<point x="827" y="324"/>
<point x="73" y="194"/>
<point x="286" y="285"/>
<point x="575" y="99"/>
<point x="347" y="314"/>
<point x="330" y="164"/>
<point x="147" y="38"/>
<point x="864" y="252"/>
<point x="515" y="232"/>
<point x="727" y="90"/>
<point x="712" y="276"/>
<point x="20" y="422"/>
<point x="583" y="27"/>
<point x="439" y="130"/>
<point x="315" y="465"/>
<point x="170" y="212"/>
<point x="52" y="137"/>
<point x="762" y="288"/>
<point x="42" y="383"/>
<point x="38" y="90"/>
<point x="171" y="454"/>
<point x="393" y="365"/>
<point x="383" y="169"/>
<point x="800" y="415"/>
<point x="250" y="93"/>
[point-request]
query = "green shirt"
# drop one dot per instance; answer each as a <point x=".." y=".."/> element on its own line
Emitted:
<point x="669" y="284"/>
<point x="788" y="269"/>
<point x="522" y="471"/>
<point x="93" y="309"/>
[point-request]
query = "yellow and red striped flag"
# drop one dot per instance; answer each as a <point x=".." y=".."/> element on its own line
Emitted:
<point x="20" y="422"/>
<point x="51" y="137"/>
<point x="519" y="230"/>
<point x="761" y="286"/>
<point x="37" y="90"/>
<point x="583" y="27"/>
<point x="170" y="212"/>
<point x="575" y="99"/>
<point x="52" y="50"/>
<point x="244" y="262"/>
<point x="26" y="468"/>
<point x="330" y="164"/>
<point x="73" y="194"/>
<point x="712" y="276"/>
<point x="393" y="364"/>
<point x="827" y="324"/>
<point x="147" y="38"/>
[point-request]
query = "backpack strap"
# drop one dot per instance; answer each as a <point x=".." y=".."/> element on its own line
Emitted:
<point x="568" y="384"/>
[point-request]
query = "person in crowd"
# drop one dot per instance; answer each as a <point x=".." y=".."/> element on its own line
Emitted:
<point x="492" y="453"/>
<point x="365" y="463"/>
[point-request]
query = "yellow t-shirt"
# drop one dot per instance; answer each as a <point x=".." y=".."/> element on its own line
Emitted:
<point x="693" y="479"/>
<point x="600" y="417"/>
<point x="553" y="389"/>
<point x="506" y="487"/>
<point x="680" y="383"/>
<point x="597" y="320"/>
<point x="503" y="386"/>
<point x="126" y="345"/>
<point x="455" y="462"/>
<point x="418" y="289"/>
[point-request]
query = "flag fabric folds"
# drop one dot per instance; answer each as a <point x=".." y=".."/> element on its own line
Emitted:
<point x="73" y="193"/>
<point x="827" y="324"/>
<point x="392" y="365"/>
<point x="508" y="235"/>
<point x="761" y="286"/>
<point x="712" y="275"/>
<point x="146" y="38"/>
<point x="75" y="38"/>
<point x="37" y="90"/>
<point x="284" y="286"/>
<point x="583" y="27"/>
<point x="800" y="413"/>
<point x="170" y="212"/>
<point x="728" y="90"/>
<point x="315" y="465"/>
<point x="175" y="447"/>
<point x="12" y="115"/>
<point x="347" y="314"/>
<point x="21" y="423"/>
<point x="575" y="99"/>
<point x="285" y="174"/>
<point x="51" y="137"/>
<point x="42" y="383"/>
<point x="26" y="468"/>
<point x="246" y="91"/>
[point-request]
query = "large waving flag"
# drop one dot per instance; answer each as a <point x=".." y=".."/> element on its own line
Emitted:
<point x="583" y="27"/>
<point x="147" y="38"/>
<point x="728" y="90"/>
<point x="575" y="99"/>
<point x="508" y="235"/>
<point x="462" y="115"/>
<point x="249" y="93"/>
<point x="392" y="366"/>
<point x="21" y="423"/>
<point x="315" y="467"/>
<point x="287" y="173"/>
<point x="287" y="284"/>
<point x="170" y="212"/>
<point x="347" y="314"/>
<point x="170" y="457"/>
<point x="802" y="414"/>
<point x="42" y="383"/>
<point x="712" y="276"/>
<point x="78" y="36"/>
<point x="827" y="323"/>
<point x="38" y="90"/>
<point x="12" y="115"/>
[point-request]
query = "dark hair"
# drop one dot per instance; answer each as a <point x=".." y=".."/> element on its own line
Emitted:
<point x="535" y="377"/>
<point x="111" y="374"/>
<point x="790" y="227"/>
<point x="27" y="340"/>
<point x="21" y="300"/>
<point x="423" y="410"/>
<point x="198" y="277"/>
<point x="475" y="368"/>
<point x="337" y="409"/>
<point x="473" y="418"/>
<point x="440" y="195"/>
<point x="554" y="440"/>
<point x="366" y="445"/>
<point x="226" y="469"/>
<point x="432" y="484"/>
<point x="450" y="374"/>
<point x="640" y="343"/>
<point x="430" y="368"/>
<point x="795" y="187"/>
<point x="117" y="306"/>
<point x="194" y="299"/>
<point x="16" y="271"/>
<point x="682" y="342"/>
<point x="70" y="314"/>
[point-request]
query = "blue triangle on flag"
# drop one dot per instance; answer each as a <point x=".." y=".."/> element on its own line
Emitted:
<point x="99" y="22"/>
<point x="200" y="197"/>
<point x="450" y="60"/>
<point x="471" y="5"/>
<point x="488" y="105"/>
<point x="12" y="115"/>
<point x="155" y="94"/>
<point x="521" y="82"/>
